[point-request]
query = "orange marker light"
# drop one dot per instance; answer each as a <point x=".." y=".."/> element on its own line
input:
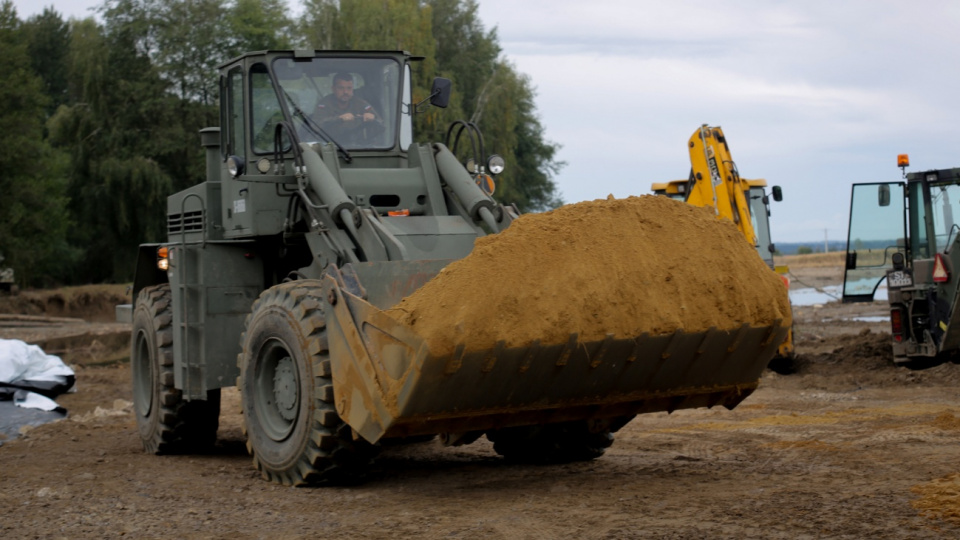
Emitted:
<point x="398" y="213"/>
<point x="486" y="183"/>
<point x="903" y="160"/>
<point x="162" y="253"/>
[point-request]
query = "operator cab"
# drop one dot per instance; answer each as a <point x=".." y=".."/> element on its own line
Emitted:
<point x="300" y="89"/>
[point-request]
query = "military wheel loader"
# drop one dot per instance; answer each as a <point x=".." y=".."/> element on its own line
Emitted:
<point x="278" y="269"/>
<point x="905" y="233"/>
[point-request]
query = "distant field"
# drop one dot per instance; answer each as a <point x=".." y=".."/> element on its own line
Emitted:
<point x="812" y="260"/>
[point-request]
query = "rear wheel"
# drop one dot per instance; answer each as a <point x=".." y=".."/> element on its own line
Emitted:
<point x="167" y="423"/>
<point x="292" y="428"/>
<point x="556" y="443"/>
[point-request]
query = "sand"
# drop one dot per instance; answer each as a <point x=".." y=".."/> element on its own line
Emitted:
<point x="624" y="266"/>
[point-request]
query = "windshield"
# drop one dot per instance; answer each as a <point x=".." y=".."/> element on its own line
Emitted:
<point x="875" y="233"/>
<point x="761" y="223"/>
<point x="944" y="204"/>
<point x="351" y="100"/>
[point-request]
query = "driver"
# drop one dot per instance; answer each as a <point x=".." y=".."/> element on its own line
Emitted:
<point x="341" y="111"/>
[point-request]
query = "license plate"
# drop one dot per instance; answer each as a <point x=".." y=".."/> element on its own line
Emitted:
<point x="899" y="279"/>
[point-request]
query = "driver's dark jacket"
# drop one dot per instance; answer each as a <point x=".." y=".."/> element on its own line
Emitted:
<point x="328" y="110"/>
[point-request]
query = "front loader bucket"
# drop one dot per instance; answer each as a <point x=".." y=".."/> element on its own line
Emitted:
<point x="387" y="383"/>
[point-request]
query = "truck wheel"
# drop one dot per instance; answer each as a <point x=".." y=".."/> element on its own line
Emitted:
<point x="167" y="423"/>
<point x="553" y="443"/>
<point x="293" y="431"/>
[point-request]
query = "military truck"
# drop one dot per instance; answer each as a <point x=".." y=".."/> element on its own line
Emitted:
<point x="278" y="268"/>
<point x="905" y="233"/>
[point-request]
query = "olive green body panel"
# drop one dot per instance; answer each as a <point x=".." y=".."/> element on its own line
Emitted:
<point x="213" y="285"/>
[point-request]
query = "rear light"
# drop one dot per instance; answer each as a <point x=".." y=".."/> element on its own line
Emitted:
<point x="896" y="324"/>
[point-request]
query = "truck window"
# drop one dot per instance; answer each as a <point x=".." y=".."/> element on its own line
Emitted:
<point x="265" y="110"/>
<point x="234" y="113"/>
<point x="944" y="205"/>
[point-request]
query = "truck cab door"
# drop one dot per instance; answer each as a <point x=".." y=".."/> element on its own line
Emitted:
<point x="876" y="231"/>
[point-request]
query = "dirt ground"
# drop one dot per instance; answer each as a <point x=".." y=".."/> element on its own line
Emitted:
<point x="850" y="446"/>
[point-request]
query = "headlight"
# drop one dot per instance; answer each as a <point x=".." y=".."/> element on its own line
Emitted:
<point x="235" y="166"/>
<point x="495" y="164"/>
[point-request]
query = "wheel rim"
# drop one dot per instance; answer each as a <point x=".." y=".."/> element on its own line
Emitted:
<point x="276" y="390"/>
<point x="142" y="375"/>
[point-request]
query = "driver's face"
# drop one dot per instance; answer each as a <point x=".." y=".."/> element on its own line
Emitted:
<point x="343" y="90"/>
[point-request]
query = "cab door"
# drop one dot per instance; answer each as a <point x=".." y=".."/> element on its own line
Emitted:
<point x="876" y="231"/>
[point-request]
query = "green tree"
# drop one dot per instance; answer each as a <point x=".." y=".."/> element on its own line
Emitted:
<point x="48" y="42"/>
<point x="506" y="113"/>
<point x="121" y="126"/>
<point x="499" y="100"/>
<point x="804" y="250"/>
<point x="319" y="24"/>
<point x="466" y="53"/>
<point x="33" y="214"/>
<point x="259" y="25"/>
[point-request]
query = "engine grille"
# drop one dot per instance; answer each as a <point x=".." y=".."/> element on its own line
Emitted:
<point x="186" y="222"/>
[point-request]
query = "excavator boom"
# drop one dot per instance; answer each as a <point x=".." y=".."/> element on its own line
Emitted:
<point x="715" y="181"/>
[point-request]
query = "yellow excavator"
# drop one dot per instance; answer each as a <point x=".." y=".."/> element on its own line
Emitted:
<point x="715" y="182"/>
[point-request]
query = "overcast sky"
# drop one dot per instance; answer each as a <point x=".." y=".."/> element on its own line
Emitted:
<point x="812" y="95"/>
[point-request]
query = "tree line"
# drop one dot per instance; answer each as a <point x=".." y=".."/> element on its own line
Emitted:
<point x="99" y="117"/>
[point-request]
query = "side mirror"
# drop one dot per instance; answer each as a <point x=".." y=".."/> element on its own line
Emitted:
<point x="883" y="195"/>
<point x="777" y="193"/>
<point x="440" y="92"/>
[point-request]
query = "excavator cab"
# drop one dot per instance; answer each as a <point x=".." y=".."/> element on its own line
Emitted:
<point x="905" y="233"/>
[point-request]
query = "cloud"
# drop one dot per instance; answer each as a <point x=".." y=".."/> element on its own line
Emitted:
<point x="812" y="96"/>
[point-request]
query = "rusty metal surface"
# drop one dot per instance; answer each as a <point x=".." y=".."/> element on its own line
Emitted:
<point x="387" y="383"/>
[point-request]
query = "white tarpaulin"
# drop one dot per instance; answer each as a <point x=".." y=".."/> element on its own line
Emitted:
<point x="20" y="361"/>
<point x="27" y="367"/>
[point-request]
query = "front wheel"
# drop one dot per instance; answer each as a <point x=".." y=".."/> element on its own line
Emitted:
<point x="167" y="423"/>
<point x="292" y="428"/>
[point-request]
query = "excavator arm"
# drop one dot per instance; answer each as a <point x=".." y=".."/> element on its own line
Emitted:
<point x="715" y="181"/>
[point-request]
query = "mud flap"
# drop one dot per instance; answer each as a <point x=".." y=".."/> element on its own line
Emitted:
<point x="387" y="383"/>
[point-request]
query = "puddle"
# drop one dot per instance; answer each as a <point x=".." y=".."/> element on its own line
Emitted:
<point x="831" y="293"/>
<point x="866" y="319"/>
<point x="876" y="318"/>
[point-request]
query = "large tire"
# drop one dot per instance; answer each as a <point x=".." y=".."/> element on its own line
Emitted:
<point x="556" y="443"/>
<point x="167" y="423"/>
<point x="293" y="431"/>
